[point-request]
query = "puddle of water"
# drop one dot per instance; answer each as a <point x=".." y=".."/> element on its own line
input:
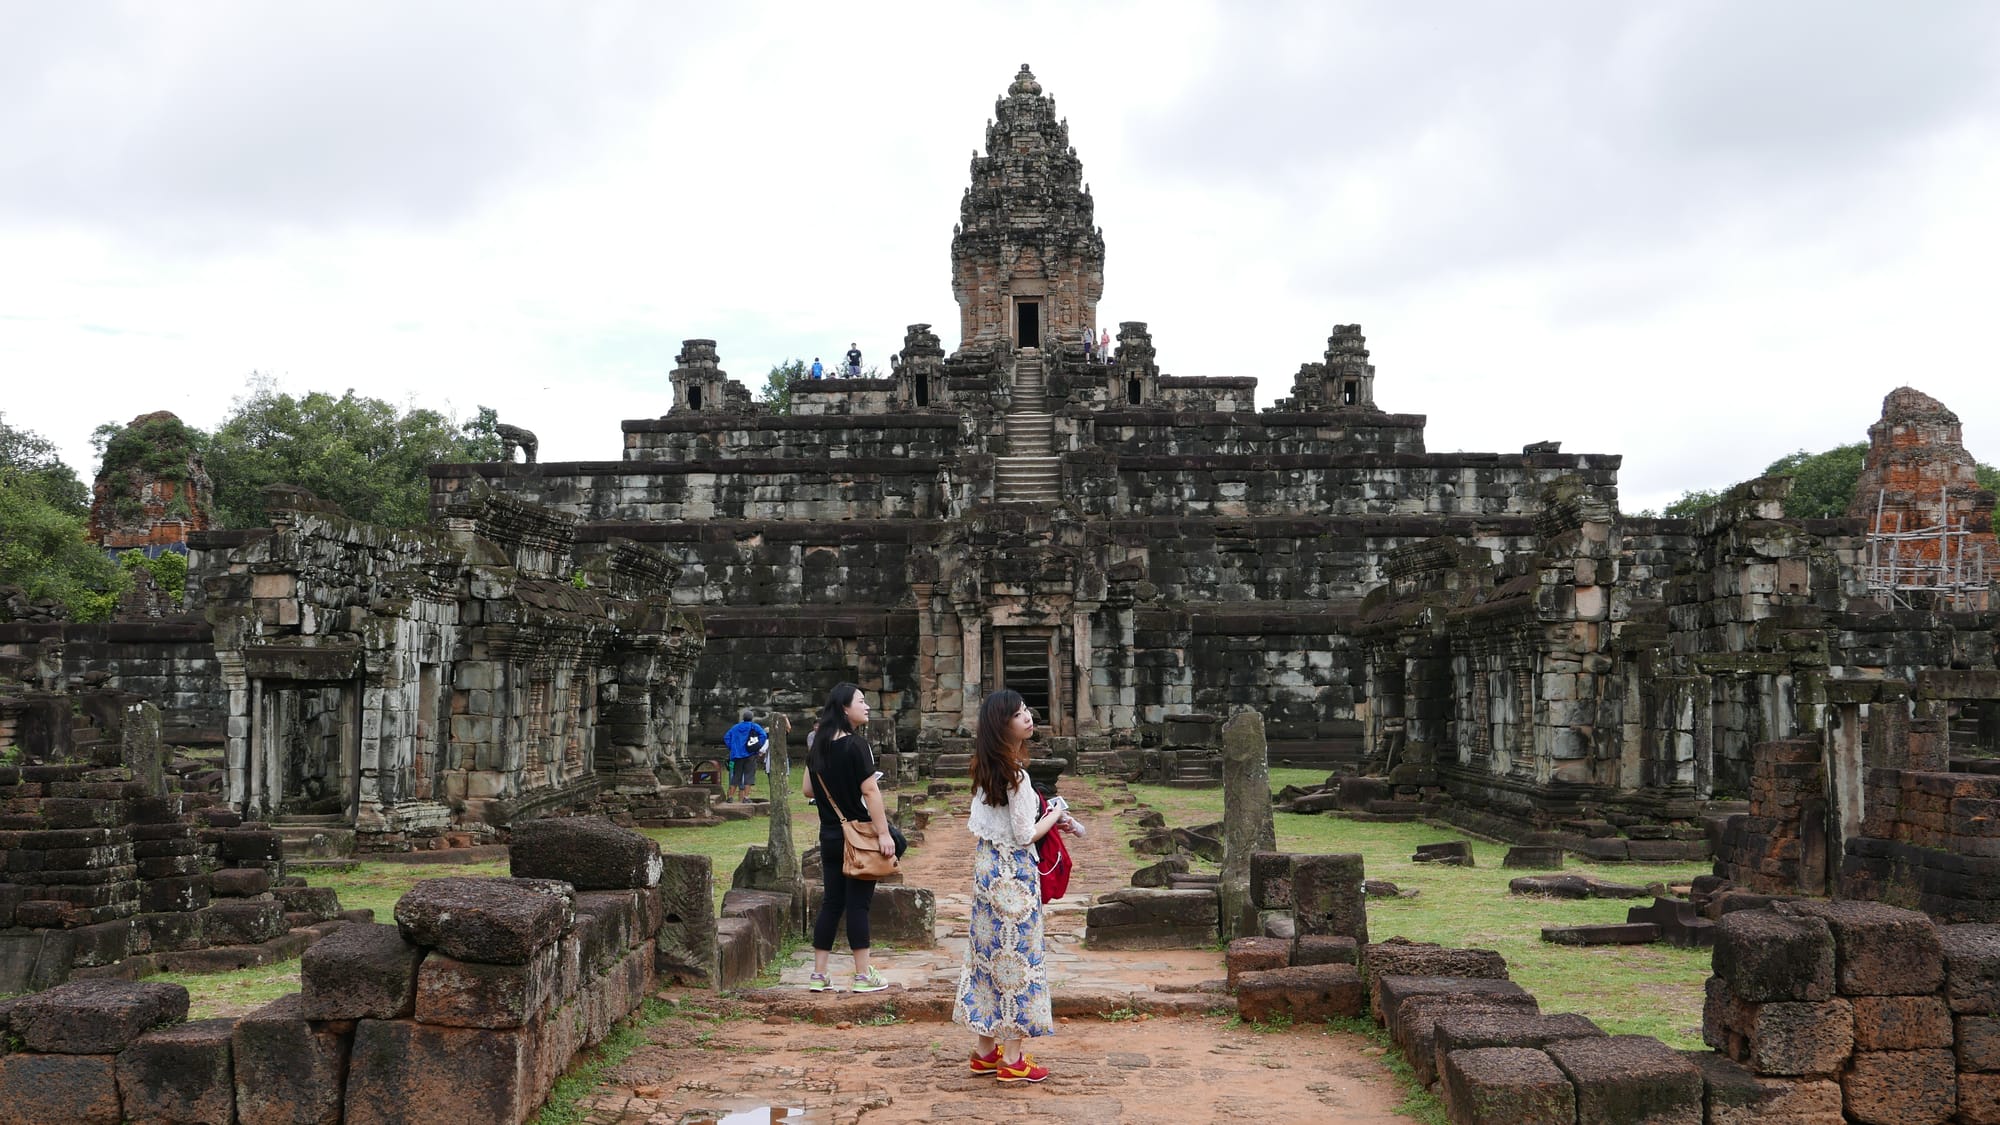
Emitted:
<point x="762" y="1115"/>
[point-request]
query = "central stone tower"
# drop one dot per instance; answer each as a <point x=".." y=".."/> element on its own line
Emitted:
<point x="1027" y="262"/>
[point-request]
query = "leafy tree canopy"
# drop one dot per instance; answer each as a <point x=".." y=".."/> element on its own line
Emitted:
<point x="32" y="458"/>
<point x="1822" y="483"/>
<point x="360" y="453"/>
<point x="777" y="388"/>
<point x="45" y="549"/>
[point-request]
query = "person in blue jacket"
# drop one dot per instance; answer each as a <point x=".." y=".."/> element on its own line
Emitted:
<point x="747" y="744"/>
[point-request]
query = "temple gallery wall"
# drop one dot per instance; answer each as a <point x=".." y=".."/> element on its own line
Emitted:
<point x="1481" y="637"/>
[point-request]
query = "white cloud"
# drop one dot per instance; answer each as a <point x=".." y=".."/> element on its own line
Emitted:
<point x="1699" y="236"/>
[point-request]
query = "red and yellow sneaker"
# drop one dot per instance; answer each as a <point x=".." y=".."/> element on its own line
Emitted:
<point x="1023" y="1071"/>
<point x="988" y="1063"/>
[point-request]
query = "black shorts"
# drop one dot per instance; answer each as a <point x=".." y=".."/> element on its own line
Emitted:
<point x="742" y="772"/>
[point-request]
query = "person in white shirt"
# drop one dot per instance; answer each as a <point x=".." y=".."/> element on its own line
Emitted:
<point x="1003" y="993"/>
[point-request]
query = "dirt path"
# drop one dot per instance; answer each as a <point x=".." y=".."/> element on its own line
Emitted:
<point x="762" y="1058"/>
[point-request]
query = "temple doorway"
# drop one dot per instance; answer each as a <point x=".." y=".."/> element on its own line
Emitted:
<point x="1028" y="324"/>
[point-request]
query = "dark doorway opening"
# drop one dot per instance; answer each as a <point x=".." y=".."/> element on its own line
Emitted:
<point x="1028" y="324"/>
<point x="1349" y="393"/>
<point x="923" y="390"/>
<point x="1133" y="391"/>
<point x="1024" y="666"/>
<point x="694" y="398"/>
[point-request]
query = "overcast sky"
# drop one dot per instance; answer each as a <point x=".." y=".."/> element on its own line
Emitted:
<point x="1698" y="234"/>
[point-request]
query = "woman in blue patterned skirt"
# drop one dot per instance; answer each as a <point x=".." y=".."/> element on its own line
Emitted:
<point x="1003" y="994"/>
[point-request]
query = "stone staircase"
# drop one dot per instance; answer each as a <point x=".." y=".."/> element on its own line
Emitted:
<point x="1030" y="472"/>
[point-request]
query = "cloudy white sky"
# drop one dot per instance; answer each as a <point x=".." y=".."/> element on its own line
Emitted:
<point x="1698" y="234"/>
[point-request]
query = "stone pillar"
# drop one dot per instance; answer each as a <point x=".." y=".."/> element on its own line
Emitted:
<point x="140" y="748"/>
<point x="783" y="850"/>
<point x="928" y="692"/>
<point x="1079" y="627"/>
<point x="969" y="621"/>
<point x="1246" y="819"/>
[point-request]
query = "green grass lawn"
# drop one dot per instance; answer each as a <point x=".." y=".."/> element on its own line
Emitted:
<point x="1637" y="990"/>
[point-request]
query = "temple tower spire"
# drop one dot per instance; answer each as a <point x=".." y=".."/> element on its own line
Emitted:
<point x="1027" y="260"/>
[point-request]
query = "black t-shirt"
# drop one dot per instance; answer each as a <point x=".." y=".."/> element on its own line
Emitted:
<point x="854" y="357"/>
<point x="837" y="777"/>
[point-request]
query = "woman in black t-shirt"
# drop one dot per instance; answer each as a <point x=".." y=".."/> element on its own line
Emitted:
<point x="840" y="772"/>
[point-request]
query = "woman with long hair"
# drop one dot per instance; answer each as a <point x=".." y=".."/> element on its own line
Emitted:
<point x="1003" y="994"/>
<point x="841" y="780"/>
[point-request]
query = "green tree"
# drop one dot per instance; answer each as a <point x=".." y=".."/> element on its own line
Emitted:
<point x="777" y="388"/>
<point x="1822" y="483"/>
<point x="34" y="460"/>
<point x="360" y="453"/>
<point x="1690" y="502"/>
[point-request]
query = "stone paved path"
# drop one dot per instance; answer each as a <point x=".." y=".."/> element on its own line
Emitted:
<point x="763" y="1056"/>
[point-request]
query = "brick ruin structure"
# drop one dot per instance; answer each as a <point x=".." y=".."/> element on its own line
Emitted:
<point x="152" y="492"/>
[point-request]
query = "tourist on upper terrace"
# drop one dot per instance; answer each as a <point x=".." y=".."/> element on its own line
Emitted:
<point x="1104" y="346"/>
<point x="817" y="372"/>
<point x="840" y="775"/>
<point x="748" y="744"/>
<point x="1089" y="346"/>
<point x="1003" y="994"/>
<point x="853" y="362"/>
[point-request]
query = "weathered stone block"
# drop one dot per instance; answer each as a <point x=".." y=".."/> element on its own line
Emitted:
<point x="1900" y="1088"/>
<point x="1301" y="993"/>
<point x="406" y="1073"/>
<point x="1270" y="880"/>
<point x="1532" y="857"/>
<point x="589" y="853"/>
<point x="1256" y="954"/>
<point x="1326" y="895"/>
<point x="1413" y="1026"/>
<point x="1473" y="1028"/>
<point x="1767" y="956"/>
<point x="64" y="1089"/>
<point x="1401" y="957"/>
<point x="239" y="882"/>
<point x="1735" y="1096"/>
<point x="469" y="994"/>
<point x="359" y="971"/>
<point x="1780" y="1037"/>
<point x="180" y="1075"/>
<point x="1972" y="967"/>
<point x="492" y="921"/>
<point x="1900" y="1023"/>
<point x="1880" y="950"/>
<point x="1325" y="949"/>
<point x="1978" y="1099"/>
<point x="288" y="1071"/>
<point x="243" y="921"/>
<point x="1387" y="993"/>
<point x="1976" y="1040"/>
<point x="1630" y="1080"/>
<point x="1157" y="874"/>
<point x="91" y="1017"/>
<point x="1506" y="1086"/>
<point x="687" y="935"/>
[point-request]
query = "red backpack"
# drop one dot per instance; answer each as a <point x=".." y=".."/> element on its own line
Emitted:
<point x="1052" y="859"/>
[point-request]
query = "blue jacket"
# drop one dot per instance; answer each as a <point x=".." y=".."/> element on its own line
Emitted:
<point x="745" y="739"/>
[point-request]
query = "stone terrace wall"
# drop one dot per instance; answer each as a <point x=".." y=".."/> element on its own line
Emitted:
<point x="465" y="1011"/>
<point x="1157" y="431"/>
<point x="808" y="438"/>
<point x="1104" y="484"/>
<point x="739" y="563"/>
<point x="749" y="488"/>
<point x="170" y="664"/>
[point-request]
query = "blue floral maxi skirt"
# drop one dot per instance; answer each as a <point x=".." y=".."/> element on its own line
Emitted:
<point x="1004" y="990"/>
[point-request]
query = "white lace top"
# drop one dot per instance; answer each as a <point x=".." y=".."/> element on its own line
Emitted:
<point x="1011" y="825"/>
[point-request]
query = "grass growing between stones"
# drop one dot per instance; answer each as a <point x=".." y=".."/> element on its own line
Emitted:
<point x="1418" y="1103"/>
<point x="235" y="993"/>
<point x="1629" y="990"/>
<point x="377" y="886"/>
<point x="563" y="1106"/>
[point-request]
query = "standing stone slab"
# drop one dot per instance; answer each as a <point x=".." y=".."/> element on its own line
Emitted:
<point x="1630" y="1080"/>
<point x="1246" y="819"/>
<point x="492" y="921"/>
<point x="363" y="970"/>
<point x="1326" y="895"/>
<point x="288" y="1071"/>
<point x="687" y="936"/>
<point x="1270" y="880"/>
<point x="180" y="1075"/>
<point x="405" y="1073"/>
<point x="59" y="1089"/>
<point x="90" y="1017"/>
<point x="1506" y="1086"/>
<point x="587" y="852"/>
